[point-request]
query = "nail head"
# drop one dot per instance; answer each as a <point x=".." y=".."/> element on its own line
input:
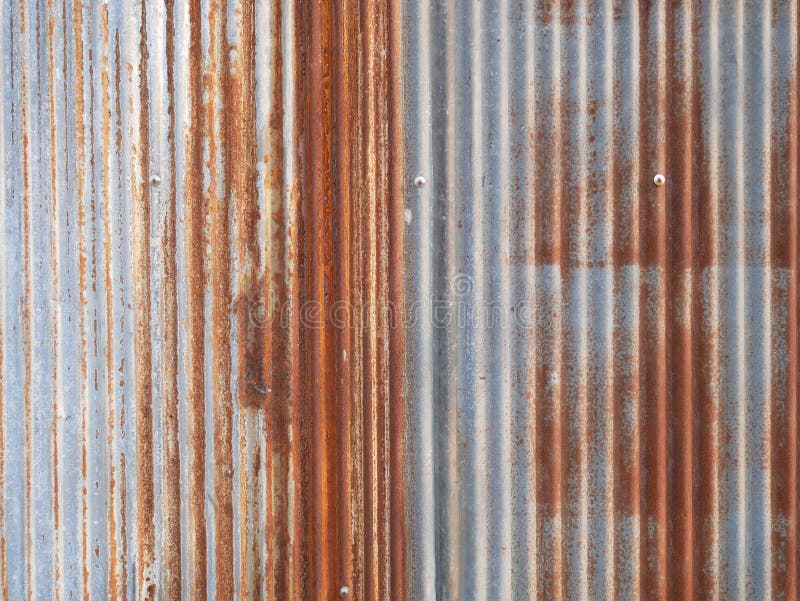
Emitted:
<point x="344" y="592"/>
<point x="419" y="181"/>
<point x="659" y="179"/>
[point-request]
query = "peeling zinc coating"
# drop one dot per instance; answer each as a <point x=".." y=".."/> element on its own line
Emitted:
<point x="602" y="390"/>
<point x="188" y="190"/>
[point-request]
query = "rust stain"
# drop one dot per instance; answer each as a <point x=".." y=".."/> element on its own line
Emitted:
<point x="123" y="576"/>
<point x="265" y="306"/>
<point x="220" y="261"/>
<point x="286" y="145"/>
<point x="396" y="341"/>
<point x="145" y="502"/>
<point x="111" y="516"/>
<point x="56" y="405"/>
<point x="27" y="282"/>
<point x="195" y="243"/>
<point x="345" y="138"/>
<point x="172" y="494"/>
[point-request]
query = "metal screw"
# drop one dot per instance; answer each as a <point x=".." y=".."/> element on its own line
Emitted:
<point x="344" y="592"/>
<point x="419" y="181"/>
<point x="659" y="179"/>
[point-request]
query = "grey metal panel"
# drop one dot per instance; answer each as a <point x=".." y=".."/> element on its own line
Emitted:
<point x="611" y="409"/>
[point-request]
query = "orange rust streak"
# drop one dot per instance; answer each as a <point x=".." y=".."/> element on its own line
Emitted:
<point x="369" y="278"/>
<point x="274" y="298"/>
<point x="550" y="249"/>
<point x="123" y="576"/>
<point x="706" y="307"/>
<point x="221" y="306"/>
<point x="298" y="504"/>
<point x="27" y="309"/>
<point x="344" y="70"/>
<point x="196" y="322"/>
<point x="397" y="575"/>
<point x="172" y="492"/>
<point x="379" y="117"/>
<point x="682" y="582"/>
<point x="113" y="580"/>
<point x="54" y="214"/>
<point x="784" y="165"/>
<point x="317" y="216"/>
<point x="654" y="522"/>
<point x="141" y="273"/>
<point x="240" y="175"/>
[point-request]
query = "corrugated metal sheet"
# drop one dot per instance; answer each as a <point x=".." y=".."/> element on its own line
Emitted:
<point x="208" y="374"/>
<point x="602" y="382"/>
<point x="184" y="191"/>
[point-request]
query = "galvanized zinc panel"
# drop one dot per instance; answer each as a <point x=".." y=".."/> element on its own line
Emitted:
<point x="602" y="388"/>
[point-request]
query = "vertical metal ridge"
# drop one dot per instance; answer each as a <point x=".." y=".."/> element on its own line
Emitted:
<point x="681" y="311"/>
<point x="396" y="156"/>
<point x="112" y="507"/>
<point x="4" y="494"/>
<point x="172" y="526"/>
<point x="498" y="288"/>
<point x="784" y="248"/>
<point x="708" y="302"/>
<point x="476" y="508"/>
<point x="418" y="386"/>
<point x="146" y="568"/>
<point x="195" y="328"/>
<point x="520" y="58"/>
<point x="26" y="308"/>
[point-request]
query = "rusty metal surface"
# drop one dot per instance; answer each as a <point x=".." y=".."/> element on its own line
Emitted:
<point x="602" y="372"/>
<point x="252" y="250"/>
<point x="189" y="191"/>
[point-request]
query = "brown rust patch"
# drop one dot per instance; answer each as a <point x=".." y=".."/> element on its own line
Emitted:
<point x="396" y="340"/>
<point x="220" y="262"/>
<point x="321" y="418"/>
<point x="171" y="491"/>
<point x="195" y="244"/>
<point x="145" y="503"/>
<point x="113" y="576"/>
<point x="784" y="190"/>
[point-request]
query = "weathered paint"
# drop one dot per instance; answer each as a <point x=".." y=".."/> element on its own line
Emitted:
<point x="189" y="191"/>
<point x="634" y="433"/>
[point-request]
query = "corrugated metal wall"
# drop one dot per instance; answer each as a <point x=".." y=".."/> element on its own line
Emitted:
<point x="602" y="385"/>
<point x="213" y="350"/>
<point x="185" y="188"/>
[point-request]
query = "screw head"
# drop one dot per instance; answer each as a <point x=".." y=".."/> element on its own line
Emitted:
<point x="419" y="181"/>
<point x="344" y="592"/>
<point x="659" y="179"/>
